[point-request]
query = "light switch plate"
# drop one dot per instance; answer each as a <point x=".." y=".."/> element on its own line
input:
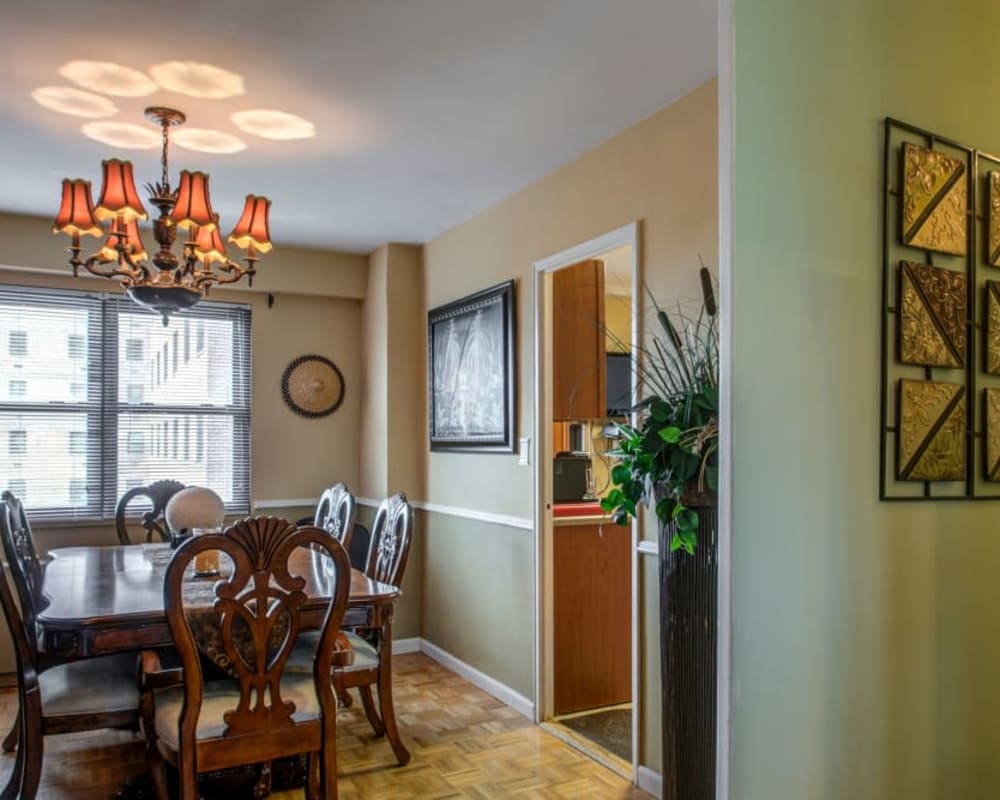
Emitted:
<point x="524" y="451"/>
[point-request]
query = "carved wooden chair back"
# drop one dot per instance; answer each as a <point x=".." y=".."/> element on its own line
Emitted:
<point x="389" y="548"/>
<point x="22" y="559"/>
<point x="335" y="513"/>
<point x="158" y="494"/>
<point x="257" y="608"/>
<point x="75" y="705"/>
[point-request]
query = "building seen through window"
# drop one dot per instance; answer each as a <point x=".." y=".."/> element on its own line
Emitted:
<point x="175" y="411"/>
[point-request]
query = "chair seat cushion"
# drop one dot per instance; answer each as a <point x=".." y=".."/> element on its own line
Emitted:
<point x="301" y="659"/>
<point x="93" y="686"/>
<point x="222" y="696"/>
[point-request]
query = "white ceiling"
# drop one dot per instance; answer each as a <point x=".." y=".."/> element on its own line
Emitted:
<point x="427" y="111"/>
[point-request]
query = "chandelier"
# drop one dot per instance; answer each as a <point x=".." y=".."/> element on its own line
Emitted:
<point x="163" y="283"/>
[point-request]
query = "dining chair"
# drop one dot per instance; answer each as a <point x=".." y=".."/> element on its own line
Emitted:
<point x="335" y="513"/>
<point x="158" y="493"/>
<point x="54" y="697"/>
<point x="252" y="618"/>
<point x="388" y="552"/>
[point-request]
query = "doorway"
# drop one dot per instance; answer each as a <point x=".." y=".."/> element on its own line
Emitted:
<point x="586" y="566"/>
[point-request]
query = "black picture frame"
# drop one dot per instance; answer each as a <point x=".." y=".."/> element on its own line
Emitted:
<point x="472" y="400"/>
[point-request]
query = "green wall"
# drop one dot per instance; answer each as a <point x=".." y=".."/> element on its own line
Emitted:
<point x="865" y="653"/>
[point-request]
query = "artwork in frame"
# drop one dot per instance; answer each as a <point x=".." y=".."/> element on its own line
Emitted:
<point x="471" y="372"/>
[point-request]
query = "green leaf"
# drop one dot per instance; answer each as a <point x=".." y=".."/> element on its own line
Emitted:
<point x="712" y="477"/>
<point x="676" y="542"/>
<point x="671" y="434"/>
<point x="686" y="518"/>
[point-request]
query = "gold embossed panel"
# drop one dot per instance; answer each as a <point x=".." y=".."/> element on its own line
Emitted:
<point x="932" y="316"/>
<point x="991" y="330"/>
<point x="931" y="431"/>
<point x="993" y="219"/>
<point x="934" y="201"/>
<point x="991" y="402"/>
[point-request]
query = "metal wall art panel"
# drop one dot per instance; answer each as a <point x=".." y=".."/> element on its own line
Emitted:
<point x="935" y="201"/>
<point x="932" y="316"/>
<point x="991" y="330"/>
<point x="991" y="406"/>
<point x="932" y="431"/>
<point x="993" y="219"/>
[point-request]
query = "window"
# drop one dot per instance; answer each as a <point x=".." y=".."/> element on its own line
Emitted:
<point x="18" y="487"/>
<point x="187" y="341"/>
<point x="200" y="337"/>
<point x="17" y="388"/>
<point x="17" y="343"/>
<point x="17" y="443"/>
<point x="136" y="443"/>
<point x="82" y="439"/>
<point x="176" y="351"/>
<point x="78" y="492"/>
<point x="75" y="346"/>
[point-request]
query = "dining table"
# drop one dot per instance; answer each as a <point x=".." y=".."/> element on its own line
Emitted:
<point x="103" y="600"/>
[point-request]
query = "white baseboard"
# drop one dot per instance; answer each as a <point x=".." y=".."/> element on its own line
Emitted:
<point x="402" y="646"/>
<point x="481" y="680"/>
<point x="651" y="782"/>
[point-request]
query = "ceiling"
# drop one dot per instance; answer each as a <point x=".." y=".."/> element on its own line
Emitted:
<point x="426" y="111"/>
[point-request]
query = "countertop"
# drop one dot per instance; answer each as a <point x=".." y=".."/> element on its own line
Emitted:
<point x="583" y="511"/>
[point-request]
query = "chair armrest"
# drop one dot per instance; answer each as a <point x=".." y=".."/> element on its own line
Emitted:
<point x="343" y="653"/>
<point x="153" y="676"/>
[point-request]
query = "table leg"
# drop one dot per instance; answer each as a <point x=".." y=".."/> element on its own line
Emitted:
<point x="385" y="694"/>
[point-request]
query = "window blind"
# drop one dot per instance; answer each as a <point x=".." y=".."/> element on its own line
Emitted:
<point x="98" y="396"/>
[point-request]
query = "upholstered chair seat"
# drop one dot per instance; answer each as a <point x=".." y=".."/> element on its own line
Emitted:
<point x="224" y="695"/>
<point x="365" y="656"/>
<point x="102" y="685"/>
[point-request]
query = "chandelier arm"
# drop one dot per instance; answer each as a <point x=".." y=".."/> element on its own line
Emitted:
<point x="136" y="266"/>
<point x="233" y="273"/>
<point x="129" y="276"/>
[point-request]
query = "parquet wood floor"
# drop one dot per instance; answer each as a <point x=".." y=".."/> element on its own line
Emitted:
<point x="465" y="744"/>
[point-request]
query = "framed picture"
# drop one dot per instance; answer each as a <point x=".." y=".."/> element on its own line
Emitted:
<point x="470" y="345"/>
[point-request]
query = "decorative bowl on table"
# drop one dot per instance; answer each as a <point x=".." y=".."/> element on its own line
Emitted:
<point x="193" y="507"/>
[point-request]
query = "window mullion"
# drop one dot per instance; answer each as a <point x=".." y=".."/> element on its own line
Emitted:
<point x="109" y="406"/>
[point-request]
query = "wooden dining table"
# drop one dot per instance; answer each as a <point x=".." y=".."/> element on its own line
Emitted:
<point x="103" y="600"/>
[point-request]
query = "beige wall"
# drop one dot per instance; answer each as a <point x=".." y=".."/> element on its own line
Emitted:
<point x="865" y="647"/>
<point x="661" y="172"/>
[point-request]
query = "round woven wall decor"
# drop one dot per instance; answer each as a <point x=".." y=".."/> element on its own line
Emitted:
<point x="312" y="386"/>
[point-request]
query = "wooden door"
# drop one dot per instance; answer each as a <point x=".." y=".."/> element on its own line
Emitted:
<point x="592" y="616"/>
<point x="578" y="336"/>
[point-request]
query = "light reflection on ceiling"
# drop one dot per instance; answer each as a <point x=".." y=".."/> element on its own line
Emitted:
<point x="195" y="79"/>
<point x="75" y="102"/>
<point x="108" y="78"/>
<point x="270" y="124"/>
<point x="122" y="134"/>
<point x="205" y="140"/>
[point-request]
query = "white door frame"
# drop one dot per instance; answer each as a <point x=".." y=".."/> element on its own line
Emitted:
<point x="627" y="235"/>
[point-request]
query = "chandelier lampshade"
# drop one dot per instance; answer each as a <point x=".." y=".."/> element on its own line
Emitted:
<point x="123" y="235"/>
<point x="193" y="208"/>
<point x="164" y="282"/>
<point x="251" y="232"/>
<point x="118" y="195"/>
<point x="76" y="212"/>
<point x="209" y="247"/>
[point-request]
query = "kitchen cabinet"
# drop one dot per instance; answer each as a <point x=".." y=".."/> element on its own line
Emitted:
<point x="592" y="608"/>
<point x="578" y="342"/>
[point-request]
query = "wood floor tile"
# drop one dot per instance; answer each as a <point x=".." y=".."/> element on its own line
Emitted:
<point x="465" y="746"/>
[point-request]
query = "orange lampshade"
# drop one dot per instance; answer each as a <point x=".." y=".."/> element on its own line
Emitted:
<point x="252" y="228"/>
<point x="209" y="247"/>
<point x="193" y="208"/>
<point x="133" y="244"/>
<point x="118" y="195"/>
<point x="76" y="213"/>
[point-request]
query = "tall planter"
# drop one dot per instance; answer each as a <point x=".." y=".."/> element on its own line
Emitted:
<point x="688" y="636"/>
